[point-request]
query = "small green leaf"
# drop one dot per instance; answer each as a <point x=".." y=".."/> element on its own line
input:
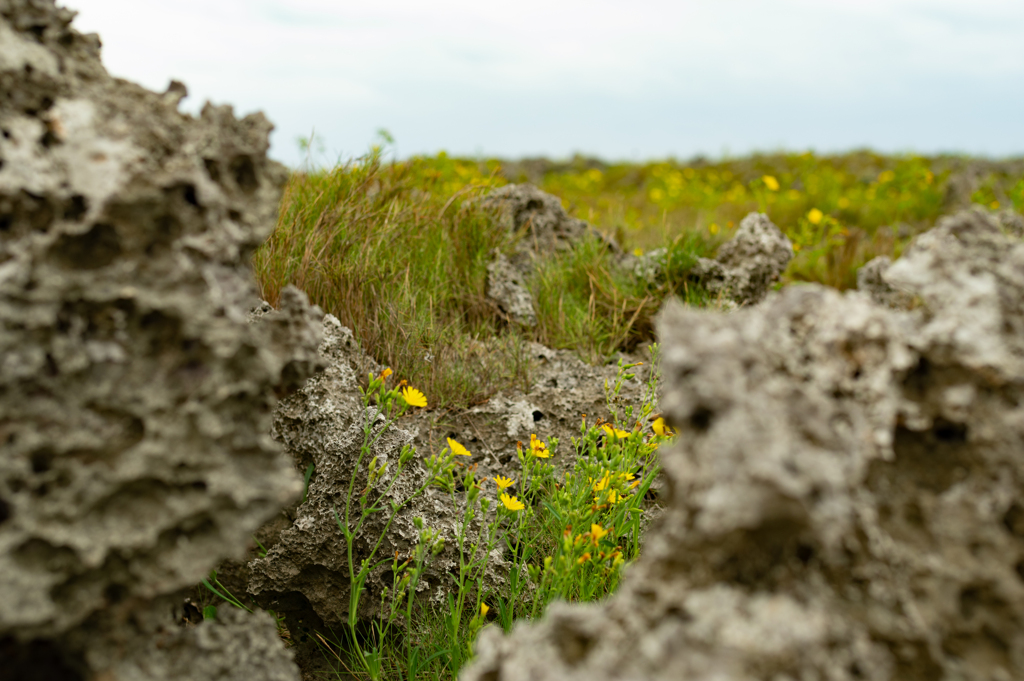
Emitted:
<point x="210" y="612"/>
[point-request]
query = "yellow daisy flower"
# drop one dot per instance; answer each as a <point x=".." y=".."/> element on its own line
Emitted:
<point x="413" y="397"/>
<point x="503" y="483"/>
<point x="457" y="448"/>
<point x="511" y="503"/>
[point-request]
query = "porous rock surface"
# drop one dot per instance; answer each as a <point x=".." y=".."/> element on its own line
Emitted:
<point x="746" y="266"/>
<point x="322" y="424"/>
<point x="135" y="401"/>
<point x="871" y="280"/>
<point x="505" y="287"/>
<point x="845" y="496"/>
<point x="541" y="220"/>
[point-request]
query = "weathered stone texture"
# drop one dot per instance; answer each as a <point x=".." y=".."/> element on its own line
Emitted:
<point x="747" y="265"/>
<point x="135" y="401"/>
<point x="322" y="424"/>
<point x="844" y="497"/>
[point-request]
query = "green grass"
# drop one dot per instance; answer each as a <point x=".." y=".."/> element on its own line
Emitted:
<point x="399" y="253"/>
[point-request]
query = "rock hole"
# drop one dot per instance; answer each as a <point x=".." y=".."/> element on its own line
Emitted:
<point x="234" y="215"/>
<point x="75" y="208"/>
<point x="244" y="172"/>
<point x="1013" y="520"/>
<point x="950" y="432"/>
<point x="5" y="511"/>
<point x="37" y="31"/>
<point x="92" y="250"/>
<point x="212" y="169"/>
<point x="115" y="593"/>
<point x="49" y="140"/>
<point x="970" y="602"/>
<point x="6" y="133"/>
<point x="701" y="419"/>
<point x="199" y="485"/>
<point x="35" y="661"/>
<point x="537" y="415"/>
<point x="573" y="645"/>
<point x="804" y="553"/>
<point x="42" y="461"/>
<point x="67" y="39"/>
<point x="189" y="194"/>
<point x="1019" y="568"/>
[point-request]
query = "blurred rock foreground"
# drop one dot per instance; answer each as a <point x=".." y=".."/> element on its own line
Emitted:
<point x="135" y="401"/>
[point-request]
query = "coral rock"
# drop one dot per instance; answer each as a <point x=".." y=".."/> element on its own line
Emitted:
<point x="135" y="401"/>
<point x="748" y="265"/>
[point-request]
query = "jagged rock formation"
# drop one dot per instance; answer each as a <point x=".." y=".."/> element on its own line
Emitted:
<point x="747" y="266"/>
<point x="845" y="497"/>
<point x="871" y="280"/>
<point x="539" y="217"/>
<point x="135" y="401"/>
<point x="506" y="288"/>
<point x="322" y="424"/>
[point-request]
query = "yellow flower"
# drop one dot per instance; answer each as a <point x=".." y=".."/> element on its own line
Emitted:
<point x="771" y="183"/>
<point x="713" y="228"/>
<point x="538" y="448"/>
<point x="994" y="205"/>
<point x="511" y="503"/>
<point x="597" y="532"/>
<point x="886" y="176"/>
<point x="843" y="202"/>
<point x="483" y="609"/>
<point x="613" y="497"/>
<point x="796" y="247"/>
<point x="413" y="397"/>
<point x="814" y="216"/>
<point x="638" y="252"/>
<point x="387" y="372"/>
<point x="615" y="432"/>
<point x="603" y="482"/>
<point x="583" y="559"/>
<point x="503" y="483"/>
<point x="657" y="194"/>
<point x="457" y="449"/>
<point x="660" y="428"/>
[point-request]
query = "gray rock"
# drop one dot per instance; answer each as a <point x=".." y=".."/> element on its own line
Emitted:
<point x="747" y="266"/>
<point x="322" y="424"/>
<point x="844" y="497"/>
<point x="871" y="280"/>
<point x="506" y="288"/>
<point x="538" y="217"/>
<point x="235" y="646"/>
<point x="135" y="401"/>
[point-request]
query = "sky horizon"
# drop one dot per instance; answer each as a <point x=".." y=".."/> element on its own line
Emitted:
<point x="652" y="80"/>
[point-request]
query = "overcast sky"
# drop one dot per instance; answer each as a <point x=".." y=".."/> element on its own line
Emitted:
<point x="637" y="80"/>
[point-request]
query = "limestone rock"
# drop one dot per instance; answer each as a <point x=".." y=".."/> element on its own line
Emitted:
<point x="506" y="288"/>
<point x="871" y="280"/>
<point x="135" y="401"/>
<point x="539" y="217"/>
<point x="234" y="646"/>
<point x="749" y="264"/>
<point x="844" y="496"/>
<point x="322" y="424"/>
